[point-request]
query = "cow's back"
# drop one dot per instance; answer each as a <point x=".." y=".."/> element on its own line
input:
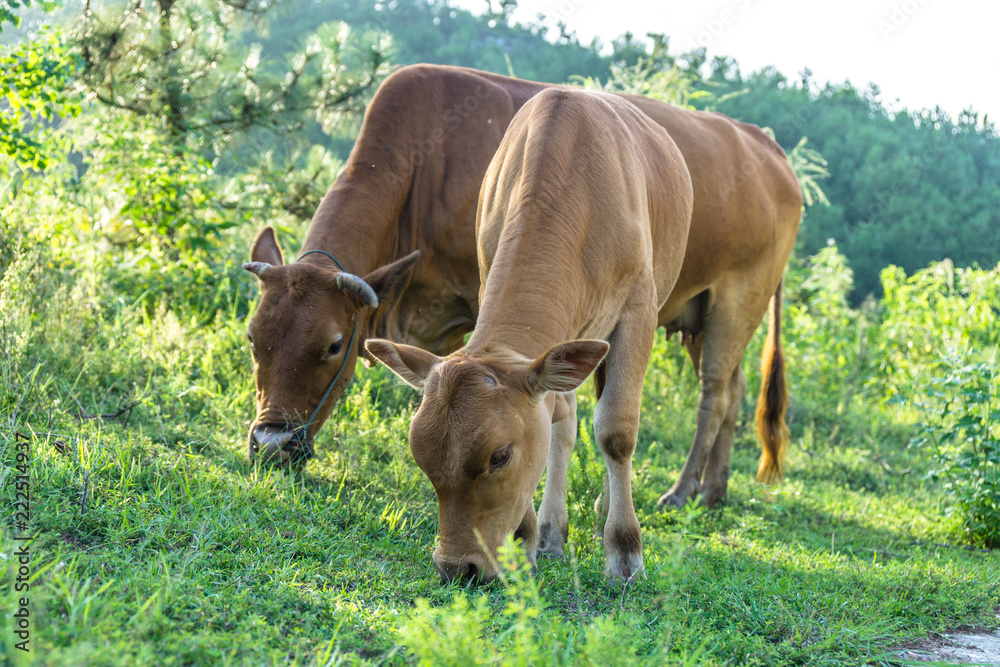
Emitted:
<point x="747" y="201"/>
<point x="413" y="180"/>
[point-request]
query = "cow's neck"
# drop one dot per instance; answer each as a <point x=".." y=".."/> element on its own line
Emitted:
<point x="358" y="220"/>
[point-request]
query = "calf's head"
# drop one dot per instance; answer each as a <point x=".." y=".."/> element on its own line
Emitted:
<point x="300" y="338"/>
<point x="482" y="436"/>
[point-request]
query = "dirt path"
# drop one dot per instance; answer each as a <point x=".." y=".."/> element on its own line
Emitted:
<point x="970" y="648"/>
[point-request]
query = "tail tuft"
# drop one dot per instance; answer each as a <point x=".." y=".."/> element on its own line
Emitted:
<point x="773" y="400"/>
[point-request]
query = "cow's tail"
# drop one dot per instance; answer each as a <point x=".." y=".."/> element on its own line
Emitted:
<point x="773" y="399"/>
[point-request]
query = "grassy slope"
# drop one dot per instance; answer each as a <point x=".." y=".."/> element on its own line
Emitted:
<point x="158" y="543"/>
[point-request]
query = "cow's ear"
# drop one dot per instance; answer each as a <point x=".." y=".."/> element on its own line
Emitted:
<point x="265" y="248"/>
<point x="411" y="364"/>
<point x="565" y="366"/>
<point x="389" y="280"/>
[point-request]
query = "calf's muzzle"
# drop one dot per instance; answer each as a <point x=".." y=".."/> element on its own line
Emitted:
<point x="470" y="568"/>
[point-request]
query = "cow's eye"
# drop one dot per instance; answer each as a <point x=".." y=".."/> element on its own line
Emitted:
<point x="335" y="346"/>
<point x="500" y="458"/>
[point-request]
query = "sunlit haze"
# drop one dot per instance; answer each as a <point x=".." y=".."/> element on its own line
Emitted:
<point x="920" y="53"/>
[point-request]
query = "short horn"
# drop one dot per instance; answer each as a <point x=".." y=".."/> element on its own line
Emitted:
<point x="349" y="281"/>
<point x="257" y="268"/>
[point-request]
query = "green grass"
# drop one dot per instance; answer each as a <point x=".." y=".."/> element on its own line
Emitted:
<point x="156" y="542"/>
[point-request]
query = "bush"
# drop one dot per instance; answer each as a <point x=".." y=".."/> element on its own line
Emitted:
<point x="826" y="340"/>
<point x="937" y="308"/>
<point x="962" y="433"/>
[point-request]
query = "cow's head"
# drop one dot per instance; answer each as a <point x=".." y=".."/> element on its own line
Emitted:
<point x="482" y="437"/>
<point x="300" y="338"/>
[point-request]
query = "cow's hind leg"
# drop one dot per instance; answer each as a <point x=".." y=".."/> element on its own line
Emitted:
<point x="715" y="477"/>
<point x="553" y="519"/>
<point x="728" y="328"/>
<point x="616" y="427"/>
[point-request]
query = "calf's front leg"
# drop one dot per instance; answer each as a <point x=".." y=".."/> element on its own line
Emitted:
<point x="553" y="518"/>
<point x="616" y="427"/>
<point x="527" y="532"/>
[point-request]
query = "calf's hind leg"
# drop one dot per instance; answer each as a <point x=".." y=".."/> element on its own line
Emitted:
<point x="616" y="427"/>
<point x="601" y="505"/>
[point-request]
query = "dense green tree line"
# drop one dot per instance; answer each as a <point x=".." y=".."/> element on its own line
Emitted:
<point x="432" y="31"/>
<point x="248" y="90"/>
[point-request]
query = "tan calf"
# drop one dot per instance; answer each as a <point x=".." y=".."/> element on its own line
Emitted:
<point x="582" y="227"/>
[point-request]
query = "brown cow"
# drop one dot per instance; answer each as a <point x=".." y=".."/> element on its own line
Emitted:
<point x="412" y="183"/>
<point x="582" y="228"/>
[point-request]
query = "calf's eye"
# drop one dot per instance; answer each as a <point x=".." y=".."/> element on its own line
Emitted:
<point x="500" y="458"/>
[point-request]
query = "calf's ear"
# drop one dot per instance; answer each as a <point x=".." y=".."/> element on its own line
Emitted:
<point x="265" y="248"/>
<point x="411" y="364"/>
<point x="566" y="366"/>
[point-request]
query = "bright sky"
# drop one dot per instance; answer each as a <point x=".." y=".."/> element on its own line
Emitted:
<point x="923" y="53"/>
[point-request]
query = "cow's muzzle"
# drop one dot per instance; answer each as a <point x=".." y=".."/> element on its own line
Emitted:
<point x="279" y="443"/>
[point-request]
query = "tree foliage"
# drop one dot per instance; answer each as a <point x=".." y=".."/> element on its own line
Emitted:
<point x="433" y="31"/>
<point x="194" y="106"/>
<point x="10" y="10"/>
<point x="673" y="84"/>
<point x="178" y="65"/>
<point x="35" y="77"/>
<point x="186" y="135"/>
<point x="905" y="188"/>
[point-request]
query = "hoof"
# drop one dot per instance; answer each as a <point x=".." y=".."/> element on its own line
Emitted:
<point x="625" y="569"/>
<point x="551" y="541"/>
<point x="710" y="499"/>
<point x="549" y="551"/>
<point x="671" y="501"/>
<point x="679" y="496"/>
